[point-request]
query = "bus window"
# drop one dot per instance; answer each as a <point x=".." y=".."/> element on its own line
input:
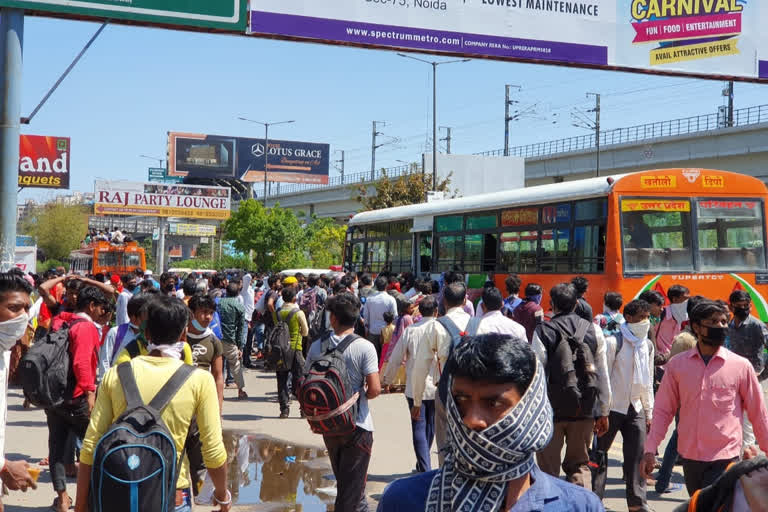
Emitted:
<point x="657" y="235"/>
<point x="518" y="251"/>
<point x="588" y="249"/>
<point x="377" y="255"/>
<point x="425" y="252"/>
<point x="400" y="253"/>
<point x="358" y="250"/>
<point x="554" y="251"/>
<point x="730" y="234"/>
<point x="449" y="252"/>
<point x="132" y="260"/>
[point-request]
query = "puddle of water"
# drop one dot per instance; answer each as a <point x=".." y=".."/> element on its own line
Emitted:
<point x="263" y="471"/>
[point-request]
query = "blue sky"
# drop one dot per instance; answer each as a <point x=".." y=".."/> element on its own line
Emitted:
<point x="136" y="84"/>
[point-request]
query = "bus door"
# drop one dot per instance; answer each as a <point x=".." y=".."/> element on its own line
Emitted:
<point x="422" y="249"/>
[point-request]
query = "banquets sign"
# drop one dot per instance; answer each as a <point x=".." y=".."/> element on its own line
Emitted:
<point x="160" y="200"/>
<point x="44" y="161"/>
<point x="697" y="37"/>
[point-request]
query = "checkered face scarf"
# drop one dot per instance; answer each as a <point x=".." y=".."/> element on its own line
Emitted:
<point x="476" y="472"/>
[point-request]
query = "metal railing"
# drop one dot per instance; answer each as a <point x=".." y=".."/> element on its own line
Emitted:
<point x="670" y="128"/>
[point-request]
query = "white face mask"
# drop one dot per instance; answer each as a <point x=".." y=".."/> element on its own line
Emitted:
<point x="640" y="329"/>
<point x="679" y="311"/>
<point x="12" y="330"/>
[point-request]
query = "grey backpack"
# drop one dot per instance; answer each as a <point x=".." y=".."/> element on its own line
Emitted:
<point x="135" y="463"/>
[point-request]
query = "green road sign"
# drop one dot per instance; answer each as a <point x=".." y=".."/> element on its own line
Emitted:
<point x="227" y="15"/>
<point x="160" y="175"/>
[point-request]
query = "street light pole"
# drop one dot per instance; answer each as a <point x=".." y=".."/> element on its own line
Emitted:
<point x="434" y="65"/>
<point x="266" y="147"/>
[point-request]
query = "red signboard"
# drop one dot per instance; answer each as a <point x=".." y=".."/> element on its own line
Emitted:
<point x="520" y="217"/>
<point x="44" y="162"/>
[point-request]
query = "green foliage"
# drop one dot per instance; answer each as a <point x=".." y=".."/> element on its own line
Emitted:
<point x="219" y="264"/>
<point x="42" y="266"/>
<point x="58" y="229"/>
<point x="149" y="254"/>
<point x="401" y="191"/>
<point x="273" y="234"/>
<point x="325" y="242"/>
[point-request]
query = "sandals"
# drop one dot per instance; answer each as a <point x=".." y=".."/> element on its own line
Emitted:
<point x="242" y="395"/>
<point x="55" y="506"/>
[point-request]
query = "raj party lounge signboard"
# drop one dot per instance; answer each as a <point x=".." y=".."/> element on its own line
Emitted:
<point x="699" y="37"/>
<point x="44" y="162"/>
<point x="217" y="156"/>
<point x="226" y="15"/>
<point x="161" y="200"/>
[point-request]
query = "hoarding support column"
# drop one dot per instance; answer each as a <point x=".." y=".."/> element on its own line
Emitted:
<point x="11" y="43"/>
<point x="160" y="246"/>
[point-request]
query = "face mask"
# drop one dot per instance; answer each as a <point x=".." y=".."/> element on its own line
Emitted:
<point x="679" y="311"/>
<point x="741" y="313"/>
<point x="11" y="330"/>
<point x="174" y="351"/>
<point x="715" y="336"/>
<point x="197" y="325"/>
<point x="640" y="329"/>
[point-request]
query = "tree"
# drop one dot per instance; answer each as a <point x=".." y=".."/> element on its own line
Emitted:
<point x="57" y="228"/>
<point x="325" y="242"/>
<point x="274" y="234"/>
<point x="404" y="190"/>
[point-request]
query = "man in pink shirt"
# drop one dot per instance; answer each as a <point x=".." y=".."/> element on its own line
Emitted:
<point x="711" y="386"/>
<point x="674" y="316"/>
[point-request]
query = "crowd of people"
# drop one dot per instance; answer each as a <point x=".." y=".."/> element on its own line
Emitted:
<point x="510" y="393"/>
<point x="114" y="236"/>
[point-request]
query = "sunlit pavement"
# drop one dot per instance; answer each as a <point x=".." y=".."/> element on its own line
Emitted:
<point x="286" y="464"/>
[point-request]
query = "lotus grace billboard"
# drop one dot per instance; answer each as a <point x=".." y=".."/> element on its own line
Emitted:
<point x="161" y="200"/>
<point x="224" y="157"/>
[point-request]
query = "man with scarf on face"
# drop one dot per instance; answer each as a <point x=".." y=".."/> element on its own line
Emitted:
<point x="748" y="337"/>
<point x="673" y="318"/>
<point x="14" y="317"/>
<point x="498" y="417"/>
<point x="630" y="364"/>
<point x="529" y="313"/>
<point x="712" y="387"/>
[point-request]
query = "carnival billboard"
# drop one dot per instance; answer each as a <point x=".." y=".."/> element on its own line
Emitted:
<point x="710" y="38"/>
<point x="44" y="161"/>
<point x="161" y="200"/>
<point x="223" y="157"/>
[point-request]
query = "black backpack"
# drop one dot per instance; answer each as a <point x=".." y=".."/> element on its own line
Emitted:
<point x="277" y="346"/>
<point x="326" y="395"/>
<point x="46" y="369"/>
<point x="317" y="327"/>
<point x="135" y="463"/>
<point x="573" y="384"/>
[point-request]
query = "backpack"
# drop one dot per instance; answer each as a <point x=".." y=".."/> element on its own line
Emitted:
<point x="456" y="338"/>
<point x="573" y="385"/>
<point x="325" y="394"/>
<point x="308" y="302"/>
<point x="215" y="324"/>
<point x="122" y="330"/>
<point x="135" y="463"/>
<point x="277" y="346"/>
<point x="317" y="327"/>
<point x="612" y="324"/>
<point x="46" y="370"/>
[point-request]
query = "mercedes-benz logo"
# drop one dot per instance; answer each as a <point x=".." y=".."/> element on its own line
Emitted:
<point x="257" y="150"/>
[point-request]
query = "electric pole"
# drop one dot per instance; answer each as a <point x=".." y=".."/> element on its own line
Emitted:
<point x="596" y="110"/>
<point x="507" y="117"/>
<point x="581" y="120"/>
<point x="374" y="147"/>
<point x="447" y="138"/>
<point x="729" y="92"/>
<point x="340" y="167"/>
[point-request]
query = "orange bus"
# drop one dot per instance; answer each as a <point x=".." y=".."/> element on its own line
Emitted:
<point x="704" y="229"/>
<point x="104" y="257"/>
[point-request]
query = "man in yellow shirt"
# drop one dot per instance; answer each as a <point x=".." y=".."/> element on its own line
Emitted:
<point x="166" y="321"/>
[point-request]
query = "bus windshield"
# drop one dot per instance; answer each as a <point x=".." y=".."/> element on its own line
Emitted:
<point x="659" y="235"/>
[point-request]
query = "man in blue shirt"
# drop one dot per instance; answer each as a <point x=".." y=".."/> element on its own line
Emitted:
<point x="498" y="416"/>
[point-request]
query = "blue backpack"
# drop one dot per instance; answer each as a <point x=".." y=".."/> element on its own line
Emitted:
<point x="215" y="325"/>
<point x="135" y="463"/>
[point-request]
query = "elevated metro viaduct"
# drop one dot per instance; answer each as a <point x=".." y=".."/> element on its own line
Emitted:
<point x="697" y="142"/>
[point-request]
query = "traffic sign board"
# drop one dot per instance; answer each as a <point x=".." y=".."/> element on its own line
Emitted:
<point x="228" y="15"/>
<point x="161" y="175"/>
